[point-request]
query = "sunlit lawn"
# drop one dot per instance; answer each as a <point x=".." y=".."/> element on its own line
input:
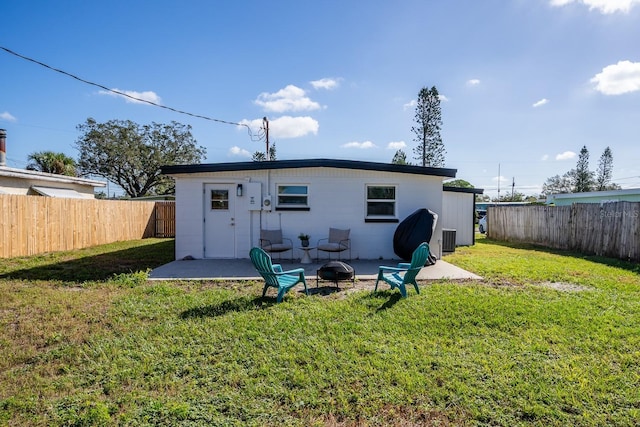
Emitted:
<point x="548" y="338"/>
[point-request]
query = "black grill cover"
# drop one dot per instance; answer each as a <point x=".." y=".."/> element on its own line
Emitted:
<point x="336" y="270"/>
<point x="413" y="230"/>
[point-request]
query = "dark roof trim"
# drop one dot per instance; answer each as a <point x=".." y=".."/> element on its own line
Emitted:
<point x="463" y="190"/>
<point x="311" y="163"/>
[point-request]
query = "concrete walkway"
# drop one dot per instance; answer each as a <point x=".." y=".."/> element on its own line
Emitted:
<point x="242" y="269"/>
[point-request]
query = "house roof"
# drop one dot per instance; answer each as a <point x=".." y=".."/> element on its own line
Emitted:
<point x="58" y="192"/>
<point x="29" y="174"/>
<point x="602" y="194"/>
<point x="309" y="163"/>
<point x="463" y="190"/>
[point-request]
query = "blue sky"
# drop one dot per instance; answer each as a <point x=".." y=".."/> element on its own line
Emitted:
<point x="524" y="83"/>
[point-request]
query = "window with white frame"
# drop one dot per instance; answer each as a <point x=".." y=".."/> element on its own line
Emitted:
<point x="293" y="196"/>
<point x="219" y="200"/>
<point x="381" y="201"/>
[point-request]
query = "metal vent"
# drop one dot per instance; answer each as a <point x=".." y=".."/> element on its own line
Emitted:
<point x="448" y="240"/>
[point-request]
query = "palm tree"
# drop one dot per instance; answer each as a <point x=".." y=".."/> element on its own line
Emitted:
<point x="50" y="162"/>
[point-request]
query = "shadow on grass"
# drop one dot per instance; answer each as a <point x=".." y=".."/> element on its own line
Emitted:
<point x="393" y="299"/>
<point x="611" y="262"/>
<point x="235" y="305"/>
<point x="324" y="290"/>
<point x="90" y="266"/>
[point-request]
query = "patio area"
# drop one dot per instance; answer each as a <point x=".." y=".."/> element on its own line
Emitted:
<point x="242" y="269"/>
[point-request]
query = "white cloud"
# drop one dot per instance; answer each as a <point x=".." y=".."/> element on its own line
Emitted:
<point x="326" y="83"/>
<point x="410" y="104"/>
<point x="566" y="155"/>
<point x="396" y="145"/>
<point x="545" y="157"/>
<point x="7" y="117"/>
<point x="616" y="79"/>
<point x="239" y="152"/>
<point x="361" y="145"/>
<point x="604" y="6"/>
<point x="443" y="98"/>
<point x="285" y="126"/>
<point x="540" y="103"/>
<point x="291" y="98"/>
<point x="473" y="82"/>
<point x="140" y="97"/>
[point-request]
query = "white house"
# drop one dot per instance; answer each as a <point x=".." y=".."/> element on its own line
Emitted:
<point x="27" y="182"/>
<point x="459" y="213"/>
<point x="221" y="208"/>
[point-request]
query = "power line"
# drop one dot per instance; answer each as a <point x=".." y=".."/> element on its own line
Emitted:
<point x="117" y="92"/>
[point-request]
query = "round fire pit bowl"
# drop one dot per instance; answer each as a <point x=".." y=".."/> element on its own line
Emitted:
<point x="335" y="271"/>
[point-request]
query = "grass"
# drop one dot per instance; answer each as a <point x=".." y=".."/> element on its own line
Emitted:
<point x="86" y="340"/>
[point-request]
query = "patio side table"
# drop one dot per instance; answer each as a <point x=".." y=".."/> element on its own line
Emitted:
<point x="306" y="257"/>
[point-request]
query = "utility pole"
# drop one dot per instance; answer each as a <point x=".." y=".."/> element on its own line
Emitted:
<point x="265" y="123"/>
<point x="513" y="186"/>
<point x="499" y="182"/>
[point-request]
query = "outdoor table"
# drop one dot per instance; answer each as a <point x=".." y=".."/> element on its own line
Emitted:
<point x="306" y="257"/>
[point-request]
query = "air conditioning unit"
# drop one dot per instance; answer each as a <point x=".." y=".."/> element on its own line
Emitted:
<point x="448" y="240"/>
<point x="266" y="203"/>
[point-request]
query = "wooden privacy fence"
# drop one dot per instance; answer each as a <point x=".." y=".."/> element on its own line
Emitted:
<point x="608" y="229"/>
<point x="31" y="225"/>
<point x="165" y="219"/>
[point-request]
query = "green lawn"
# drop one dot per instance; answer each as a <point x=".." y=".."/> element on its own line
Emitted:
<point x="548" y="338"/>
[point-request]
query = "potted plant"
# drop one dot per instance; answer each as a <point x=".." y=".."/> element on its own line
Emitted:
<point x="304" y="239"/>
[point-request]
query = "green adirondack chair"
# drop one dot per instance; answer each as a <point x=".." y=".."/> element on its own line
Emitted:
<point x="274" y="276"/>
<point x="405" y="273"/>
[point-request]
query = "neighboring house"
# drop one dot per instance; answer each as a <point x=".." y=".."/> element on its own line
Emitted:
<point x="459" y="213"/>
<point x="27" y="182"/>
<point x="626" y="195"/>
<point x="220" y="208"/>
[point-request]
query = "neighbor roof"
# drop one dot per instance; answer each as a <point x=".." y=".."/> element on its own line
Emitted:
<point x="42" y="176"/>
<point x="462" y="189"/>
<point x="310" y="163"/>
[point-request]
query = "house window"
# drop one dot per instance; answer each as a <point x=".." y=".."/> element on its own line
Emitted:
<point x="219" y="200"/>
<point x="381" y="202"/>
<point x="293" y="196"/>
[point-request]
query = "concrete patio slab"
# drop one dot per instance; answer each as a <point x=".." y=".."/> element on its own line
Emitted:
<point x="242" y="269"/>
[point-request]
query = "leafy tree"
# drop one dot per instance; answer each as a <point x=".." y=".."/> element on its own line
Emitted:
<point x="584" y="178"/>
<point x="131" y="155"/>
<point x="558" y="184"/>
<point x="483" y="198"/>
<point x="51" y="162"/>
<point x="460" y="183"/>
<point x="259" y="156"/>
<point x="515" y="197"/>
<point x="400" y="158"/>
<point x="605" y="170"/>
<point x="430" y="150"/>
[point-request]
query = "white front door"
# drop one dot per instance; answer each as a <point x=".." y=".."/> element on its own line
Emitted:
<point x="219" y="221"/>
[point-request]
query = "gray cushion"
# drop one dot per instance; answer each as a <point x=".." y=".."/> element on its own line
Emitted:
<point x="332" y="247"/>
<point x="336" y="235"/>
<point x="277" y="247"/>
<point x="272" y="236"/>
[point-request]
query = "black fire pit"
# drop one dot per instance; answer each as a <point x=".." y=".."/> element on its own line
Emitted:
<point x="335" y="271"/>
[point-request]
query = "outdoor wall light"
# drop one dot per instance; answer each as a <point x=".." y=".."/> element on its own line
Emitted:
<point x="239" y="190"/>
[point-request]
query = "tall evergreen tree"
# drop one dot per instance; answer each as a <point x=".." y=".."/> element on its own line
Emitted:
<point x="400" y="158"/>
<point x="605" y="170"/>
<point x="259" y="156"/>
<point x="583" y="178"/>
<point x="430" y="150"/>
